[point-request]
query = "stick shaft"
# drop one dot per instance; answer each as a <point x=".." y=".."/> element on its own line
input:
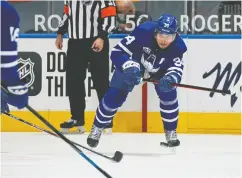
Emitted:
<point x="53" y="134"/>
<point x="192" y="87"/>
<point x="67" y="141"/>
<point x="33" y="111"/>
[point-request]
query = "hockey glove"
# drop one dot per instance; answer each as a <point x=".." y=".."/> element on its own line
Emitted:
<point x="165" y="83"/>
<point x="132" y="74"/>
<point x="4" y="104"/>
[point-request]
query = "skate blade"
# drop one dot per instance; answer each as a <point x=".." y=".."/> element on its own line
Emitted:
<point x="165" y="145"/>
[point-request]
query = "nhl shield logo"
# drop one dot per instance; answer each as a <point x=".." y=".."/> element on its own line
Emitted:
<point x="30" y="71"/>
<point x="26" y="71"/>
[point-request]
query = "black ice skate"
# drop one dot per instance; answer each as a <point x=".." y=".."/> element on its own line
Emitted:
<point x="94" y="136"/>
<point x="171" y="138"/>
<point x="66" y="126"/>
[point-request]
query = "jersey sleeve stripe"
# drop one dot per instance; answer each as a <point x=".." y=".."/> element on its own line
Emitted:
<point x="108" y="11"/>
<point x="9" y="65"/>
<point x="175" y="68"/>
<point x="8" y="53"/>
<point x="170" y="72"/>
<point x="125" y="49"/>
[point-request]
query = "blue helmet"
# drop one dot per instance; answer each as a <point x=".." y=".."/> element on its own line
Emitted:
<point x="167" y="24"/>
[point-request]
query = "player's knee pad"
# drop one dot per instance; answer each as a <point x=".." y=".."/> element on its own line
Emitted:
<point x="114" y="97"/>
<point x="168" y="102"/>
<point x="166" y="96"/>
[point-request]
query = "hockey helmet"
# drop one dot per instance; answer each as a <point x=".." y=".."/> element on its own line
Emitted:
<point x="167" y="24"/>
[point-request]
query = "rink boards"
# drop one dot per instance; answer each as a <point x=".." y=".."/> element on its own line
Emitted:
<point x="211" y="61"/>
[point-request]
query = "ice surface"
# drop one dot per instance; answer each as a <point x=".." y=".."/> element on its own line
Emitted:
<point x="38" y="155"/>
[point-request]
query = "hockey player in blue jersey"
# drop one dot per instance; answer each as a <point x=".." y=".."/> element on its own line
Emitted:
<point x="18" y="92"/>
<point x="153" y="50"/>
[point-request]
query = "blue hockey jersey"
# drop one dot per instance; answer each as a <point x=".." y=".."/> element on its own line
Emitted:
<point x="9" y="48"/>
<point x="9" y="56"/>
<point x="141" y="46"/>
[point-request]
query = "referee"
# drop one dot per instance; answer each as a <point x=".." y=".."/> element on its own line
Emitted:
<point x="88" y="23"/>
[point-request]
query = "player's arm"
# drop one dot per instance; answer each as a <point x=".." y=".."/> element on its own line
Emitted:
<point x="9" y="65"/>
<point x="63" y="26"/>
<point x="175" y="69"/>
<point x="108" y="14"/>
<point x="122" y="53"/>
<point x="123" y="58"/>
<point x="173" y="74"/>
<point x="9" y="46"/>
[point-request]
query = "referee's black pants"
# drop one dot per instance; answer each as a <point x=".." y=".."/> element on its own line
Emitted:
<point x="79" y="54"/>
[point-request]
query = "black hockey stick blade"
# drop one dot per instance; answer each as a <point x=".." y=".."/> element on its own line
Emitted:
<point x="80" y="152"/>
<point x="116" y="158"/>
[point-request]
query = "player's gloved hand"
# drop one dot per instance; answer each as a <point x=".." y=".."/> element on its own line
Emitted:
<point x="18" y="96"/>
<point x="132" y="74"/>
<point x="4" y="104"/>
<point x="165" y="83"/>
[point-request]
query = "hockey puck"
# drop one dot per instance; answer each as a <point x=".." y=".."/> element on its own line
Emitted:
<point x="118" y="156"/>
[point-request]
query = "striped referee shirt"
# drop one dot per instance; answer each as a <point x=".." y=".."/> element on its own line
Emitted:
<point x="88" y="18"/>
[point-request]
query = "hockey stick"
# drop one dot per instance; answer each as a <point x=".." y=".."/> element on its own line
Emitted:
<point x="116" y="158"/>
<point x="228" y="92"/>
<point x="232" y="91"/>
<point x="63" y="138"/>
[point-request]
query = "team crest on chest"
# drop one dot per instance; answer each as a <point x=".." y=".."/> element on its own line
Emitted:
<point x="148" y="62"/>
<point x="146" y="50"/>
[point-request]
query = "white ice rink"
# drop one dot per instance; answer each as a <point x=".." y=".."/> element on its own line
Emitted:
<point x="38" y="155"/>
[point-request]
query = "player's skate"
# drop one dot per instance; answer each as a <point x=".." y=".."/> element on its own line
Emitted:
<point x="66" y="126"/>
<point x="94" y="136"/>
<point x="108" y="129"/>
<point x="171" y="138"/>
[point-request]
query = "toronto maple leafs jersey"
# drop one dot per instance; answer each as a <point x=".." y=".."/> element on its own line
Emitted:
<point x="141" y="46"/>
<point x="9" y="52"/>
<point x="9" y="47"/>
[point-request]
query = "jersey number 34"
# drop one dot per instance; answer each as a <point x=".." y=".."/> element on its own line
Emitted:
<point x="129" y="39"/>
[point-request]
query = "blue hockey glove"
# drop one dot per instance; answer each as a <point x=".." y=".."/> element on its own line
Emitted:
<point x="132" y="74"/>
<point x="18" y="96"/>
<point x="165" y="83"/>
<point x="4" y="104"/>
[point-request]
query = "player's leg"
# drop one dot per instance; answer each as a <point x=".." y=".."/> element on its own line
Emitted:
<point x="76" y="66"/>
<point x="99" y="68"/>
<point x="169" y="110"/>
<point x="108" y="107"/>
<point x="112" y="100"/>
